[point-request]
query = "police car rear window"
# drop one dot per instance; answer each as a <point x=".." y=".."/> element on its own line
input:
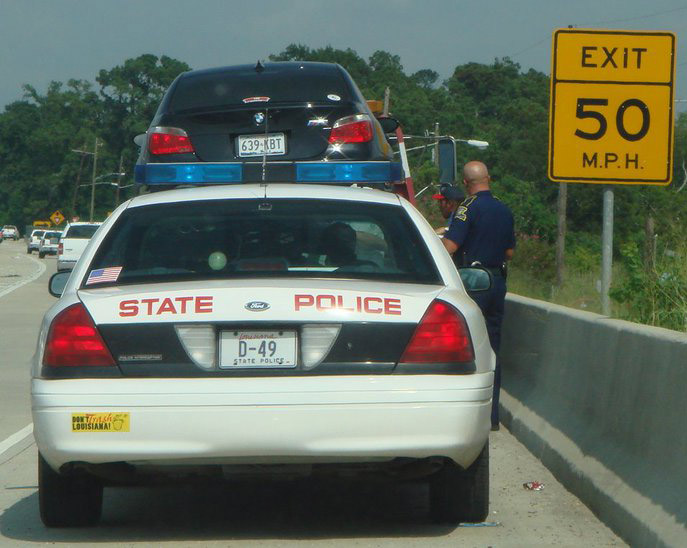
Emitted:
<point x="81" y="232"/>
<point x="266" y="238"/>
<point x="240" y="88"/>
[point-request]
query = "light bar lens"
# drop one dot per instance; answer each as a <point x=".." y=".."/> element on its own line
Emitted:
<point x="344" y="172"/>
<point x="188" y="174"/>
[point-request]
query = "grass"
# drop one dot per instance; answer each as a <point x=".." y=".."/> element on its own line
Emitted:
<point x="579" y="290"/>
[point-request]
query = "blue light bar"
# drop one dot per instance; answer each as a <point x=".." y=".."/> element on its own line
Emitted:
<point x="180" y="174"/>
<point x="348" y="172"/>
<point x="303" y="172"/>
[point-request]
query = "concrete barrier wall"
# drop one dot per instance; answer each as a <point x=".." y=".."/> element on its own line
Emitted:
<point x="603" y="403"/>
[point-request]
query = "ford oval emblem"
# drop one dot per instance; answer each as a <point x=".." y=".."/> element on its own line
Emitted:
<point x="257" y="306"/>
<point x="259" y="118"/>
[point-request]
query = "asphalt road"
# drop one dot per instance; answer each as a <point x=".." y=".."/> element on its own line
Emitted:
<point x="269" y="514"/>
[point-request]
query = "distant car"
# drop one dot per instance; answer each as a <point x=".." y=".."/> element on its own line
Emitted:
<point x="74" y="240"/>
<point x="34" y="240"/>
<point x="10" y="231"/>
<point x="230" y="119"/>
<point x="49" y="243"/>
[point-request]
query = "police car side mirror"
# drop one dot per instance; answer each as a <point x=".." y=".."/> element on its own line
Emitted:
<point x="57" y="283"/>
<point x="140" y="139"/>
<point x="475" y="278"/>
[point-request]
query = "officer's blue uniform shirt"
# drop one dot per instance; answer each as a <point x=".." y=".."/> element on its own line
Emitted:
<point x="482" y="228"/>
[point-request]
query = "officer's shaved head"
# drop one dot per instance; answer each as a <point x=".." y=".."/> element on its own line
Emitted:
<point x="475" y="176"/>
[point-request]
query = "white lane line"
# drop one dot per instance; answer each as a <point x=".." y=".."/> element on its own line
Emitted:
<point x="34" y="276"/>
<point x="14" y="439"/>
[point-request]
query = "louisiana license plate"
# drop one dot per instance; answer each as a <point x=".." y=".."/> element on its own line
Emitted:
<point x="257" y="349"/>
<point x="259" y="145"/>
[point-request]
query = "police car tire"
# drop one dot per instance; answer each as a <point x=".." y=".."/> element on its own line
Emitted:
<point x="29" y="250"/>
<point x="457" y="495"/>
<point x="68" y="501"/>
<point x="41" y="255"/>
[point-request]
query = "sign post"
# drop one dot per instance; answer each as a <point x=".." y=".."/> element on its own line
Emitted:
<point x="611" y="115"/>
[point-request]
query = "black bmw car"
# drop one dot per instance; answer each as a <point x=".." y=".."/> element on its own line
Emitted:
<point x="286" y="121"/>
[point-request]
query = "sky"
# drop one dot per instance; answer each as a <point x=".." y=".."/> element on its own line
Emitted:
<point x="45" y="40"/>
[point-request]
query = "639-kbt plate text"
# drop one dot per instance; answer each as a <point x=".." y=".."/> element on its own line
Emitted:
<point x="257" y="145"/>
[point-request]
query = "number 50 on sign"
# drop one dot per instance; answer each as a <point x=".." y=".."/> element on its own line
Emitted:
<point x="611" y="116"/>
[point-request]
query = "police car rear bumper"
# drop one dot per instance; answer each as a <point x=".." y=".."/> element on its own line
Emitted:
<point x="193" y="421"/>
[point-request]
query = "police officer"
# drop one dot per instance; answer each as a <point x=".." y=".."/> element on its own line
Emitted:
<point x="481" y="231"/>
<point x="449" y="198"/>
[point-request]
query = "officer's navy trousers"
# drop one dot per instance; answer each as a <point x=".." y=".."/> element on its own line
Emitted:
<point x="492" y="303"/>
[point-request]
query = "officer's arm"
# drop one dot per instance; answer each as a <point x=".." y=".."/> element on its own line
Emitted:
<point x="509" y="254"/>
<point x="450" y="245"/>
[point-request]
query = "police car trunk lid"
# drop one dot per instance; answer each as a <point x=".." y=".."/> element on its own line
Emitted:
<point x="258" y="327"/>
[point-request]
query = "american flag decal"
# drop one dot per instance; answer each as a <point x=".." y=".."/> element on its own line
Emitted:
<point x="109" y="274"/>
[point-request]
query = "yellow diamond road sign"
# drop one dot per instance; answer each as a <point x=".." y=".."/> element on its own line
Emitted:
<point x="611" y="111"/>
<point x="57" y="217"/>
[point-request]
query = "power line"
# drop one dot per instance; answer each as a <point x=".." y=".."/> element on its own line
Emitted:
<point x="646" y="16"/>
<point x="656" y="14"/>
<point x="530" y="47"/>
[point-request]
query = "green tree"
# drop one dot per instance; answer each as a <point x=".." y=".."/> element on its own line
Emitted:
<point x="131" y="93"/>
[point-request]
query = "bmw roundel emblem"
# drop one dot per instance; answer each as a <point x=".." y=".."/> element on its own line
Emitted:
<point x="257" y="306"/>
<point x="259" y="117"/>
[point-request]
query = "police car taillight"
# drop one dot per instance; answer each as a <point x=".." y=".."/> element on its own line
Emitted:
<point x="352" y="129"/>
<point x="60" y="248"/>
<point x="169" y="140"/>
<point x="73" y="339"/>
<point x="442" y="336"/>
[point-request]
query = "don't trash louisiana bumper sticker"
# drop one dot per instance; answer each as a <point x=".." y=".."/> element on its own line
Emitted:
<point x="100" y="422"/>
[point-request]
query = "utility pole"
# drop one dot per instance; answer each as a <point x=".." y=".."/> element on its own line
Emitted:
<point x="387" y="94"/>
<point x="76" y="186"/>
<point x="436" y="144"/>
<point x="95" y="163"/>
<point x="119" y="179"/>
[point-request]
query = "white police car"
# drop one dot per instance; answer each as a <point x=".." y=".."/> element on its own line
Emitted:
<point x="230" y="325"/>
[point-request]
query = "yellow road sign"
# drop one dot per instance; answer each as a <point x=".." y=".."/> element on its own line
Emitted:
<point x="611" y="111"/>
<point x="57" y="217"/>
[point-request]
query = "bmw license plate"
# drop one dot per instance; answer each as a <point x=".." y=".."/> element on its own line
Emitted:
<point x="257" y="349"/>
<point x="256" y="145"/>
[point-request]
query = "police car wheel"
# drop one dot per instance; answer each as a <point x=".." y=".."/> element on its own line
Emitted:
<point x="29" y="250"/>
<point x="41" y="255"/>
<point x="68" y="501"/>
<point x="457" y="495"/>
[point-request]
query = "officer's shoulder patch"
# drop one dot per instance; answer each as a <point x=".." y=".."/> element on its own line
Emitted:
<point x="460" y="213"/>
<point x="466" y="203"/>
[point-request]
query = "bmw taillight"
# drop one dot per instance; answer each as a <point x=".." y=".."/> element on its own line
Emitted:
<point x="168" y="140"/>
<point x="73" y="339"/>
<point x="352" y="129"/>
<point x="442" y="336"/>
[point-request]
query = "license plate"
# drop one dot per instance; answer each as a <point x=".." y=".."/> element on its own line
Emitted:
<point x="257" y="349"/>
<point x="257" y="145"/>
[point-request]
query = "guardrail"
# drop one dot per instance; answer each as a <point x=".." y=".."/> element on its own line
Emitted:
<point x="603" y="404"/>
